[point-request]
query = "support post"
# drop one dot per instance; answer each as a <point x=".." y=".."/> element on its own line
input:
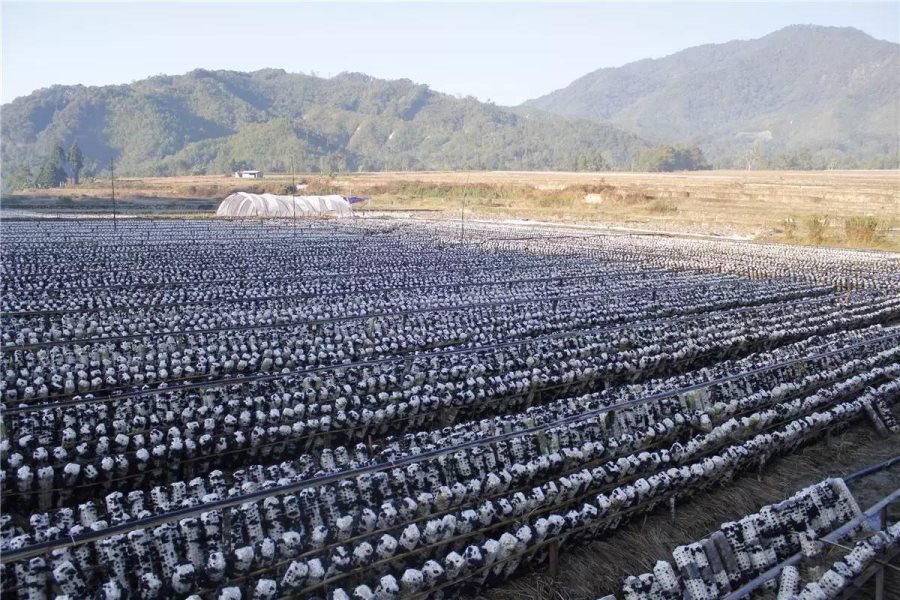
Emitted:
<point x="553" y="559"/>
<point x="293" y="200"/>
<point x="112" y="183"/>
<point x="879" y="574"/>
<point x="226" y="527"/>
<point x="462" y="223"/>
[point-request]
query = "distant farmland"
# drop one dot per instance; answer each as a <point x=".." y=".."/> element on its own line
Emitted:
<point x="835" y="208"/>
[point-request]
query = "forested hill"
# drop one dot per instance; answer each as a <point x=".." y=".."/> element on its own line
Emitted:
<point x="215" y="121"/>
<point x="802" y="97"/>
<point x="830" y="94"/>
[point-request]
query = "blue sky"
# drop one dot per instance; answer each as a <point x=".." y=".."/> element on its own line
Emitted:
<point x="507" y="52"/>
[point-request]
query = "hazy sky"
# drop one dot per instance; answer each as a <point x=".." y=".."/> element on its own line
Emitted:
<point x="507" y="52"/>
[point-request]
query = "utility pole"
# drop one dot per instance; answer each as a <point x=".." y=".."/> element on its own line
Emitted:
<point x="462" y="223"/>
<point x="112" y="183"/>
<point x="462" y="214"/>
<point x="293" y="200"/>
<point x="349" y="198"/>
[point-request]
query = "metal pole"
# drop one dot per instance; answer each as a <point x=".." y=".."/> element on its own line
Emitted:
<point x="879" y="575"/>
<point x="462" y="222"/>
<point x="112" y="182"/>
<point x="835" y="535"/>
<point x="462" y="214"/>
<point x="293" y="200"/>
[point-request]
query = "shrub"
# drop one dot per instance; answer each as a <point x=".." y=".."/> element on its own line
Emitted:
<point x="662" y="207"/>
<point x="632" y="198"/>
<point x="816" y="228"/>
<point x="789" y="227"/>
<point x="862" y="229"/>
<point x="589" y="188"/>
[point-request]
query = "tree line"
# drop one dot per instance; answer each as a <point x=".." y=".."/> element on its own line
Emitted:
<point x="671" y="158"/>
<point x="59" y="168"/>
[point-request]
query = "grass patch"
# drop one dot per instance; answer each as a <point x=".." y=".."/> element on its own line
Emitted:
<point x="864" y="230"/>
<point x="788" y="228"/>
<point x="817" y="229"/>
<point x="662" y="207"/>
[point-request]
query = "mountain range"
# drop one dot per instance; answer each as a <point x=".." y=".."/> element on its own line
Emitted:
<point x="828" y="95"/>
<point x="832" y="91"/>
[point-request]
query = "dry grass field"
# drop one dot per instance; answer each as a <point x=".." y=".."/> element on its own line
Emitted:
<point x="836" y="208"/>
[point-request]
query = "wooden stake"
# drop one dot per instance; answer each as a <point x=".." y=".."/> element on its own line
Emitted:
<point x="553" y="558"/>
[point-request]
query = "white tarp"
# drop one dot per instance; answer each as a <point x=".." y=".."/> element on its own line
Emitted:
<point x="244" y="204"/>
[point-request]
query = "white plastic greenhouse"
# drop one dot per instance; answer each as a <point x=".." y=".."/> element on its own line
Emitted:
<point x="244" y="204"/>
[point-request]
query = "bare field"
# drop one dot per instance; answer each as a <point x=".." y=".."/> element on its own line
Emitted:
<point x="835" y="208"/>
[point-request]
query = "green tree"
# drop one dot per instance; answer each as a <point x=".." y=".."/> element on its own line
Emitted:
<point x="334" y="163"/>
<point x="57" y="157"/>
<point x="800" y="160"/>
<point x="805" y="160"/>
<point x="238" y="165"/>
<point x="592" y="161"/>
<point x="20" y="179"/>
<point x="754" y="157"/>
<point x="76" y="161"/>
<point x="693" y="159"/>
<point x="90" y="169"/>
<point x="785" y="161"/>
<point x="672" y="158"/>
<point x="52" y="173"/>
<point x="44" y="177"/>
